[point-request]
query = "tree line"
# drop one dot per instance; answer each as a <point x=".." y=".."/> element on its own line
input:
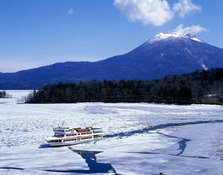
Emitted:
<point x="196" y="87"/>
<point x="110" y="91"/>
<point x="3" y="94"/>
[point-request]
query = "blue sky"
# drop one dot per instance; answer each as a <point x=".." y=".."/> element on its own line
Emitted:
<point x="34" y="33"/>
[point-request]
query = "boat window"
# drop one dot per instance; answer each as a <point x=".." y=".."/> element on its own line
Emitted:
<point x="59" y="135"/>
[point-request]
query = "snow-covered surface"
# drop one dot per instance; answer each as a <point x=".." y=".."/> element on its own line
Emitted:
<point x="162" y="36"/>
<point x="204" y="66"/>
<point x="196" y="39"/>
<point x="139" y="138"/>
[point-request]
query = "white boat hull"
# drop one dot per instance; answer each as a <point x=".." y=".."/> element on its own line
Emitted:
<point x="68" y="143"/>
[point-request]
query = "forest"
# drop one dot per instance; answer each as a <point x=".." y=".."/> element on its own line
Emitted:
<point x="204" y="87"/>
<point x="2" y="94"/>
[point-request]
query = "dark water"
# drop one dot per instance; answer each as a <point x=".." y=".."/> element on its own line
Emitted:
<point x="161" y="126"/>
<point x="91" y="160"/>
<point x="11" y="168"/>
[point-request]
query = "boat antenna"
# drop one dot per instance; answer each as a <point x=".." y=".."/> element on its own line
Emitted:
<point x="63" y="123"/>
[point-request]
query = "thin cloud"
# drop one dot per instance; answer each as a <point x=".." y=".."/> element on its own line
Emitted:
<point x="70" y="11"/>
<point x="194" y="29"/>
<point x="185" y="7"/>
<point x="155" y="12"/>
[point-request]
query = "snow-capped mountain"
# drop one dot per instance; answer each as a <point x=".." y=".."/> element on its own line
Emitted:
<point x="162" y="36"/>
<point x="163" y="54"/>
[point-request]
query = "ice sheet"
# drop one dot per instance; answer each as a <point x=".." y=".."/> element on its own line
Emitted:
<point x="140" y="138"/>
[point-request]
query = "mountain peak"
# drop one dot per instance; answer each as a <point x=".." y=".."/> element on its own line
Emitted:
<point x="164" y="54"/>
<point x="163" y="36"/>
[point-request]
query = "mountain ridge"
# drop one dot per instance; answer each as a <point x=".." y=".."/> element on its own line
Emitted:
<point x="162" y="55"/>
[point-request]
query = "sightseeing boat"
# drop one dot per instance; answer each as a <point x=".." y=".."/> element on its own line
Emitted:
<point x="64" y="136"/>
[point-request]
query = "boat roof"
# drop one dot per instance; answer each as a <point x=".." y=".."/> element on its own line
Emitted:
<point x="67" y="129"/>
<point x="81" y="129"/>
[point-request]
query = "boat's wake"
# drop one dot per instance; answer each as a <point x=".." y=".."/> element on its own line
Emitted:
<point x="161" y="126"/>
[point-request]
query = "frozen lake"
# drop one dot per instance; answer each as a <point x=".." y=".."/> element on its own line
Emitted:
<point x="139" y="138"/>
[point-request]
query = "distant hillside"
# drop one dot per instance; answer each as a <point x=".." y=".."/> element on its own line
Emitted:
<point x="160" y="56"/>
<point x="197" y="87"/>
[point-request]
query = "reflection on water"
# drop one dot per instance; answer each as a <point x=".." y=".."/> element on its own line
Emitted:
<point x="91" y="160"/>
